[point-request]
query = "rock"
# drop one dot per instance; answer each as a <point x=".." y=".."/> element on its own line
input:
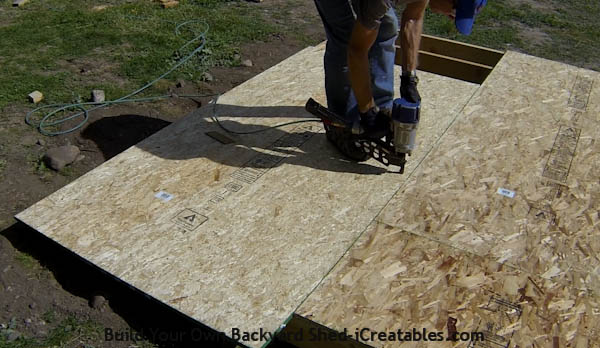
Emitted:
<point x="35" y="97"/>
<point x="247" y="62"/>
<point x="3" y="326"/>
<point x="32" y="305"/>
<point x="98" y="96"/>
<point x="19" y="3"/>
<point x="170" y="4"/>
<point x="59" y="157"/>
<point x="207" y="77"/>
<point x="29" y="140"/>
<point x="97" y="302"/>
<point x="28" y="321"/>
<point x="99" y="7"/>
<point x="41" y="142"/>
<point x="79" y="158"/>
<point x="180" y="83"/>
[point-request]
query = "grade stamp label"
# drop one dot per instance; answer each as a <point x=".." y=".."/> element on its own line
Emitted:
<point x="189" y="219"/>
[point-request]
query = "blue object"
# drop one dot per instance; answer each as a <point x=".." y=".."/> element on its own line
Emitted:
<point x="338" y="21"/>
<point x="466" y="10"/>
<point x="404" y="111"/>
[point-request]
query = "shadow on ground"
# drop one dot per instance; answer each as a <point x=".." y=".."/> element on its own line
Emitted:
<point x="116" y="134"/>
<point x="159" y="324"/>
<point x="301" y="144"/>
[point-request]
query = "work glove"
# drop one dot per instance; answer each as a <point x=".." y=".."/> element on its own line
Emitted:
<point x="408" y="87"/>
<point x="374" y="122"/>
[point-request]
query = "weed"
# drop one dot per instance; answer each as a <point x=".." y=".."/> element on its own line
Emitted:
<point x="49" y="316"/>
<point x="68" y="171"/>
<point x="69" y="333"/>
<point x="26" y="260"/>
<point x="41" y="167"/>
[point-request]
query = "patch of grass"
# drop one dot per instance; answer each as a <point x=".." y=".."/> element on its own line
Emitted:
<point x="70" y="330"/>
<point x="27" y="261"/>
<point x="45" y="44"/>
<point x="570" y="28"/>
<point x="2" y="165"/>
<point x="69" y="333"/>
<point x="68" y="171"/>
<point x="40" y="166"/>
<point x="49" y="316"/>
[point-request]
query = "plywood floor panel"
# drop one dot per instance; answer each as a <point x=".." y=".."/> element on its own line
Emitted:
<point x="243" y="232"/>
<point x="505" y="206"/>
<point x="521" y="132"/>
<point x="393" y="280"/>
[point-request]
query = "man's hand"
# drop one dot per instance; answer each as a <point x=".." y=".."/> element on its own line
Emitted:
<point x="358" y="63"/>
<point x="408" y="87"/>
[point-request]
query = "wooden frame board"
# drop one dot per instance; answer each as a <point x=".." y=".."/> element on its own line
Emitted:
<point x="454" y="59"/>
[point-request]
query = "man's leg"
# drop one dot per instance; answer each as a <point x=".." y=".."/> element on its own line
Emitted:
<point x="381" y="60"/>
<point x="338" y="21"/>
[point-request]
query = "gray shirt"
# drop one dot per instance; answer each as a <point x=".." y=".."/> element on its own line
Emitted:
<point x="370" y="12"/>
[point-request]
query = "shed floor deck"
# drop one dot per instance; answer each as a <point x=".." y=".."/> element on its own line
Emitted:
<point x="237" y="236"/>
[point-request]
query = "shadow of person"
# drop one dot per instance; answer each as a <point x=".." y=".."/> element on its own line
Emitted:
<point x="254" y="142"/>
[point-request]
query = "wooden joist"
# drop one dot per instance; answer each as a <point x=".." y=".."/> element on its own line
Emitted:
<point x="454" y="59"/>
<point x="460" y="50"/>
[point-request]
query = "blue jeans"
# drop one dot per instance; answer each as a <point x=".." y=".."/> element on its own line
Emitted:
<point x="338" y="21"/>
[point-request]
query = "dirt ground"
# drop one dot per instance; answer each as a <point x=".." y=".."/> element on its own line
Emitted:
<point x="48" y="294"/>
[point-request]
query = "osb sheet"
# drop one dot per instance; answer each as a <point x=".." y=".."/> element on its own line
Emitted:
<point x="513" y="182"/>
<point x="237" y="235"/>
<point x="531" y="129"/>
<point x="392" y="280"/>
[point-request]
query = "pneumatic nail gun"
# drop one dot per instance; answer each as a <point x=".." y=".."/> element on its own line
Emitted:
<point x="389" y="147"/>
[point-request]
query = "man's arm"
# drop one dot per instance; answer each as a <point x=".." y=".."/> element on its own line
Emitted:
<point x="410" y="33"/>
<point x="358" y="63"/>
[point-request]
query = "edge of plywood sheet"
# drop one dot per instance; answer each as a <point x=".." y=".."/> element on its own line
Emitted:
<point x="235" y="236"/>
<point x="501" y="217"/>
